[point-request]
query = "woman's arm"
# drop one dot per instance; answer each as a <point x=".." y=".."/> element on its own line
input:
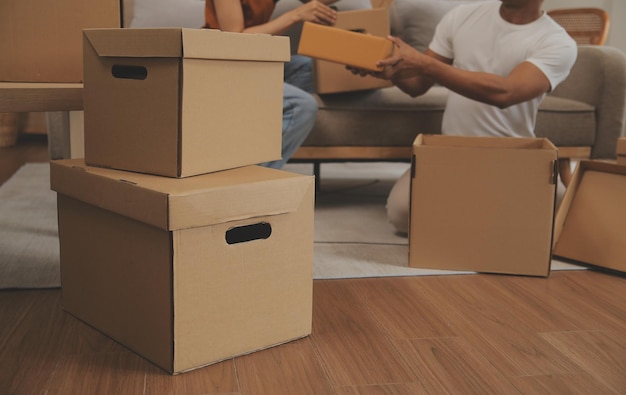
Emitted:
<point x="230" y="17"/>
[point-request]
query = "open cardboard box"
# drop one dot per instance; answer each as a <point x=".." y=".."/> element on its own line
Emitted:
<point x="182" y="102"/>
<point x="41" y="40"/>
<point x="590" y="225"/>
<point x="187" y="272"/>
<point x="343" y="46"/>
<point x="482" y="204"/>
<point x="331" y="77"/>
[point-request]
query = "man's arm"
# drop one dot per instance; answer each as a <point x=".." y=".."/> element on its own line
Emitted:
<point x="415" y="72"/>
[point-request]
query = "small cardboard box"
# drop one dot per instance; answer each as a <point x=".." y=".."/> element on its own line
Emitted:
<point x="182" y="102"/>
<point x="590" y="225"/>
<point x="343" y="46"/>
<point x="41" y="41"/>
<point x="482" y="204"/>
<point x="187" y="272"/>
<point x="621" y="151"/>
<point x="333" y="77"/>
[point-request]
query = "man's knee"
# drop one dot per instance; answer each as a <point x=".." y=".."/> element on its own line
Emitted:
<point x="398" y="203"/>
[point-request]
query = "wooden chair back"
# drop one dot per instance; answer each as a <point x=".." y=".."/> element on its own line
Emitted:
<point x="587" y="26"/>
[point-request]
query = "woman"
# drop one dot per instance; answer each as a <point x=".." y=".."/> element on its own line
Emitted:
<point x="253" y="16"/>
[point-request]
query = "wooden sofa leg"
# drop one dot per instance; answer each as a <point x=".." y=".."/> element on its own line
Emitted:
<point x="565" y="170"/>
<point x="316" y="173"/>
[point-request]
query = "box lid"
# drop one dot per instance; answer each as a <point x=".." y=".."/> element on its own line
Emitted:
<point x="171" y="204"/>
<point x="188" y="43"/>
<point x="589" y="225"/>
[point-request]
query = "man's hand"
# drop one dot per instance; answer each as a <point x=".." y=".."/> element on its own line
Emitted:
<point x="383" y="74"/>
<point x="405" y="61"/>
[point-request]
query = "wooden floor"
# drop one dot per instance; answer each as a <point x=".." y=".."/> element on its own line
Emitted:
<point x="467" y="334"/>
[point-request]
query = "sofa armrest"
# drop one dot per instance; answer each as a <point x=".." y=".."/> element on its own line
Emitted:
<point x="598" y="78"/>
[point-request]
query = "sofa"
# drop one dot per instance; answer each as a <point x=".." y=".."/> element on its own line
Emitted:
<point x="584" y="116"/>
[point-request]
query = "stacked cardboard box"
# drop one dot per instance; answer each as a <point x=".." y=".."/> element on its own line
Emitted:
<point x="173" y="241"/>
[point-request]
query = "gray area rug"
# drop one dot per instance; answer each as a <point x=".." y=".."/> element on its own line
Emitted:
<point x="29" y="240"/>
<point x="352" y="236"/>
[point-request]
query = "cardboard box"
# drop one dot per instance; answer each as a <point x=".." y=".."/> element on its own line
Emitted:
<point x="330" y="77"/>
<point x="343" y="46"/>
<point x="590" y="225"/>
<point x="41" y="41"/>
<point x="164" y="265"/>
<point x="182" y="102"/>
<point x="482" y="204"/>
<point x="621" y="151"/>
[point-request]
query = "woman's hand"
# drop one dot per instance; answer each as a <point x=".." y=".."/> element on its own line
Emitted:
<point x="316" y="12"/>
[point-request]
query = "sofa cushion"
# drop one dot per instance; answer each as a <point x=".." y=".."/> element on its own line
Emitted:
<point x="383" y="117"/>
<point x="390" y="117"/>
<point x="566" y="122"/>
<point x="414" y="21"/>
<point x="164" y="13"/>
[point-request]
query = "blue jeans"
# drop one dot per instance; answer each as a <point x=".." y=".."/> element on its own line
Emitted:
<point x="299" y="108"/>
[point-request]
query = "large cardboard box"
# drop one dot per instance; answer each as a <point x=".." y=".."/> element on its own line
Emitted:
<point x="182" y="102"/>
<point x="41" y="41"/>
<point x="331" y="77"/>
<point x="621" y="151"/>
<point x="187" y="272"/>
<point x="590" y="225"/>
<point x="343" y="46"/>
<point x="482" y="204"/>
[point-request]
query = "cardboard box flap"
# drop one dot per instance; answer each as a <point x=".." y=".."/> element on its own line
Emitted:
<point x="484" y="142"/>
<point x="235" y="46"/>
<point x="144" y="43"/>
<point x="589" y="225"/>
<point x="172" y="204"/>
<point x="187" y="43"/>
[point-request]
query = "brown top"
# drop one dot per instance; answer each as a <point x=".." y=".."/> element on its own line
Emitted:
<point x="255" y="12"/>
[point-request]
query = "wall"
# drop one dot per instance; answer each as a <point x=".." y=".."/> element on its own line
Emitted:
<point x="615" y="8"/>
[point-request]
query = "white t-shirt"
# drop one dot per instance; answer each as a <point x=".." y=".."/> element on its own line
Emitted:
<point x="477" y="39"/>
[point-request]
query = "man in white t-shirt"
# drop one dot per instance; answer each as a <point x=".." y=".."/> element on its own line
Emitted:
<point x="497" y="58"/>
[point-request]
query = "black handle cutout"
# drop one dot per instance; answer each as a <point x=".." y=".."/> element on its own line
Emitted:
<point x="242" y="234"/>
<point x="358" y="30"/>
<point x="129" y="72"/>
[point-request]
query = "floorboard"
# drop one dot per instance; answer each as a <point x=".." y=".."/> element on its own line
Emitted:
<point x="466" y="334"/>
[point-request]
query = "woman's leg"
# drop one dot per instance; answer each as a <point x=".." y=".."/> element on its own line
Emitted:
<point x="299" y="72"/>
<point x="299" y="112"/>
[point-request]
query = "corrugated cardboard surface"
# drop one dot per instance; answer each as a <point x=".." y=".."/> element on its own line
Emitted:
<point x="41" y="41"/>
<point x="590" y="225"/>
<point x="332" y="77"/>
<point x="186" y="298"/>
<point x="343" y="46"/>
<point x="621" y="151"/>
<point x="185" y="115"/>
<point x="482" y="204"/>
